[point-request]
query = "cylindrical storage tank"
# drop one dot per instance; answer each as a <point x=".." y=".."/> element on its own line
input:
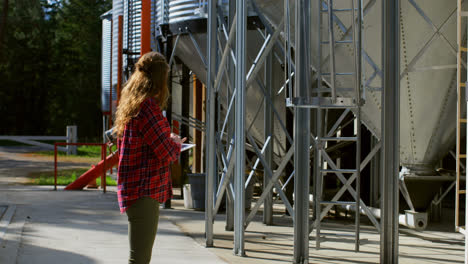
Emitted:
<point x="117" y="10"/>
<point x="106" y="62"/>
<point x="178" y="10"/>
<point x="132" y="33"/>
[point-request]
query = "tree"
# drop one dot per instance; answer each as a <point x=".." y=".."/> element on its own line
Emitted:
<point x="50" y="68"/>
<point x="23" y="66"/>
<point x="3" y="21"/>
<point x="76" y="65"/>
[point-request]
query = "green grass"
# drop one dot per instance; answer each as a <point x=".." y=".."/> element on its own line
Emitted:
<point x="64" y="177"/>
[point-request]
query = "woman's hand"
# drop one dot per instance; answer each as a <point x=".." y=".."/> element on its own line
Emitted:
<point x="177" y="139"/>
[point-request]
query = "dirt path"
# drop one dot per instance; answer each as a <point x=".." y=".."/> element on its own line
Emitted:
<point x="16" y="163"/>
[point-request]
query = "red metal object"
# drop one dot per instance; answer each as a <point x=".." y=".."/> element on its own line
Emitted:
<point x="99" y="170"/>
<point x="145" y="27"/>
<point x="93" y="173"/>
<point x="55" y="166"/>
<point x="103" y="175"/>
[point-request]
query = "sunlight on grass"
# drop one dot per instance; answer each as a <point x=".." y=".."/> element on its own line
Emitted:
<point x="64" y="177"/>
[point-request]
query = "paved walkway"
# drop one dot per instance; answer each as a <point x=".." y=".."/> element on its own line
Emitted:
<point x="45" y="226"/>
<point x="82" y="227"/>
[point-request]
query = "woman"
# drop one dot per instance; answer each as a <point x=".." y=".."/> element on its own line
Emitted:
<point x="146" y="148"/>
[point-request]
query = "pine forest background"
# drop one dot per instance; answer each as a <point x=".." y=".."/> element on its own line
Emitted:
<point x="50" y="66"/>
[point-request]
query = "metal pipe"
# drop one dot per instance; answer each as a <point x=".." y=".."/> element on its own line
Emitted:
<point x="171" y="59"/>
<point x="268" y="128"/>
<point x="227" y="48"/>
<point x="287" y="60"/>
<point x="331" y="36"/>
<point x="230" y="130"/>
<point x="264" y="52"/>
<point x="225" y="180"/>
<point x="257" y="161"/>
<point x="317" y="176"/>
<point x="270" y="172"/>
<point x="210" y="123"/>
<point x="55" y="166"/>
<point x="270" y="185"/>
<point x="358" y="174"/>
<point x="377" y="213"/>
<point x="239" y="180"/>
<point x="357" y="37"/>
<point x="390" y="131"/>
<point x="302" y="134"/>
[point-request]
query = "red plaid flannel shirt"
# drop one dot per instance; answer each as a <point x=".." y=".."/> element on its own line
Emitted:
<point x="145" y="153"/>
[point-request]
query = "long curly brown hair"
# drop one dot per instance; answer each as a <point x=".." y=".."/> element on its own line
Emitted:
<point x="148" y="80"/>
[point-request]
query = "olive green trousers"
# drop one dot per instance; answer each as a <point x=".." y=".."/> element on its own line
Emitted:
<point x="143" y="218"/>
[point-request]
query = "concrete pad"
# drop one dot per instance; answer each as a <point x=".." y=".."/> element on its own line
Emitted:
<point x="83" y="227"/>
<point x="274" y="244"/>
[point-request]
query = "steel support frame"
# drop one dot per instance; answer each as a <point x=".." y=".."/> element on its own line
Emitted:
<point x="302" y="133"/>
<point x="347" y="186"/>
<point x="238" y="244"/>
<point x="211" y="172"/>
<point x="228" y="163"/>
<point x="390" y="131"/>
<point x="268" y="128"/>
<point x="436" y="33"/>
<point x="230" y="130"/>
<point x="239" y="147"/>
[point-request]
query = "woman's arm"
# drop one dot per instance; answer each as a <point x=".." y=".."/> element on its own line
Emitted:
<point x="157" y="133"/>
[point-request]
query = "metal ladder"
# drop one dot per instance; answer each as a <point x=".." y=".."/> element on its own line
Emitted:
<point x="328" y="99"/>
<point x="324" y="97"/>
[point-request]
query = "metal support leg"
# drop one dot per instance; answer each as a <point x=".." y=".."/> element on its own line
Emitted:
<point x="210" y="123"/>
<point x="302" y="135"/>
<point x="268" y="116"/>
<point x="232" y="76"/>
<point x="318" y="176"/>
<point x="168" y="52"/>
<point x="375" y="176"/>
<point x="184" y="130"/>
<point x="239" y="175"/>
<point x="390" y="132"/>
